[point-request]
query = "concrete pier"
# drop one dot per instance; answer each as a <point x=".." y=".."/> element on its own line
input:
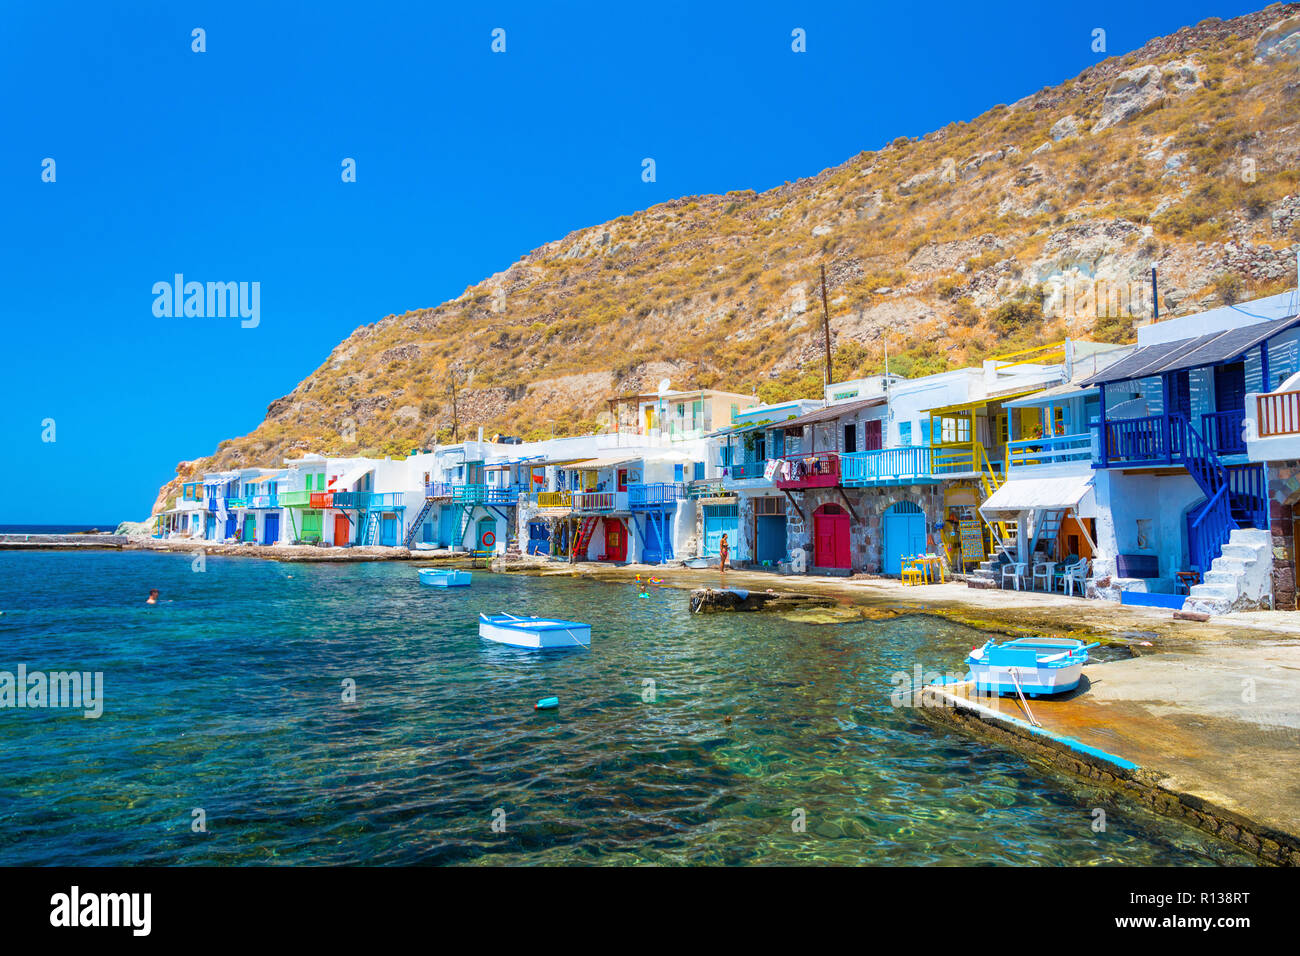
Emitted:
<point x="61" y="542"/>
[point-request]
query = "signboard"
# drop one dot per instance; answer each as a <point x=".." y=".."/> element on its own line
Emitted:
<point x="972" y="540"/>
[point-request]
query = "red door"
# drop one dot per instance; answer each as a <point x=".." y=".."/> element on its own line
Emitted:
<point x="873" y="435"/>
<point x="615" y="540"/>
<point x="622" y="479"/>
<point x="342" y="529"/>
<point x="831" y="537"/>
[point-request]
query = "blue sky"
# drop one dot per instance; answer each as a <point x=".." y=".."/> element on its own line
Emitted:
<point x="225" y="166"/>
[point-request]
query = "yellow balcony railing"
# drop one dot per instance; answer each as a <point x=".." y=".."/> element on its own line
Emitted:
<point x="555" y="499"/>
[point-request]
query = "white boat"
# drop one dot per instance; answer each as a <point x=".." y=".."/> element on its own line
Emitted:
<point x="445" y="577"/>
<point x="533" y="633"/>
<point x="1033" y="665"/>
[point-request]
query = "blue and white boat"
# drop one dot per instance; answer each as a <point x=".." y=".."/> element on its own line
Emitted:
<point x="445" y="577"/>
<point x="533" y="633"/>
<point x="1034" y="665"/>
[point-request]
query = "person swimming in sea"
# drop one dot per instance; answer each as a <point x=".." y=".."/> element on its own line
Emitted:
<point x="153" y="596"/>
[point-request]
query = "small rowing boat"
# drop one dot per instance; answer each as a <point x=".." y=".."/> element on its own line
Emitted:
<point x="533" y="633"/>
<point x="445" y="577"/>
<point x="1032" y="665"/>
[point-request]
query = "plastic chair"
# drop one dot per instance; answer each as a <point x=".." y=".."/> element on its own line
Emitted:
<point x="1015" y="570"/>
<point x="1077" y="574"/>
<point x="1041" y="572"/>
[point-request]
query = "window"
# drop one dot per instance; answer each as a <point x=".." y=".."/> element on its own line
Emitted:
<point x="850" y="438"/>
<point x="905" y="433"/>
<point x="699" y="471"/>
<point x="726" y="451"/>
<point x="925" y="432"/>
<point x="760" y="447"/>
<point x="679" y="472"/>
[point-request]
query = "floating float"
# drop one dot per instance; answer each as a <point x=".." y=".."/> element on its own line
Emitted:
<point x="1034" y="666"/>
<point x="533" y="633"/>
<point x="445" y="577"/>
<point x="547" y="703"/>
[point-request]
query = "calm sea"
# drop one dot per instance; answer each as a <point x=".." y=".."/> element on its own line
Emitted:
<point x="678" y="739"/>
<point x="54" y="528"/>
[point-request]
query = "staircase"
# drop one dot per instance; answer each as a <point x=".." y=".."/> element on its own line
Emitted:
<point x="1047" y="530"/>
<point x="580" y="543"/>
<point x="1234" y="498"/>
<point x="370" y="528"/>
<point x="466" y="518"/>
<point x="1241" y="578"/>
<point x="414" y="529"/>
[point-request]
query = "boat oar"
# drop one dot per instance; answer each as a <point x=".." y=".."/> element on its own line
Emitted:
<point x="1064" y="654"/>
<point x="1015" y="679"/>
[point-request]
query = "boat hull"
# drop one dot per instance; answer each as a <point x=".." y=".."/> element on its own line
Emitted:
<point x="534" y="634"/>
<point x="445" y="577"/>
<point x="1040" y="666"/>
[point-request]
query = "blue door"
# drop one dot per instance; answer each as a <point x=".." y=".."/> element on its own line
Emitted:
<point x="210" y="527"/>
<point x="388" y="531"/>
<point x="485" y="535"/>
<point x="448" y="527"/>
<point x="720" y="520"/>
<point x="904" y="535"/>
<point x="539" y="538"/>
<point x="770" y="546"/>
<point x="653" y="551"/>
<point x="271" y="529"/>
<point x="230" y="525"/>
<point x="426" y="532"/>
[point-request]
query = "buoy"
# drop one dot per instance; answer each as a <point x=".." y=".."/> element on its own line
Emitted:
<point x="547" y="703"/>
<point x="643" y="595"/>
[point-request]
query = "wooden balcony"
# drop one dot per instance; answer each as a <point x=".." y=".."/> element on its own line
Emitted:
<point x="886" y="466"/>
<point x="555" y="499"/>
<point x="295" y="499"/>
<point x="596" y="502"/>
<point x="322" y="499"/>
<point x="821" y="470"/>
<point x="1279" y="414"/>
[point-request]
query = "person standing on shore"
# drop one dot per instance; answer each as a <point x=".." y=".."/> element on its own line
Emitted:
<point x="724" y="551"/>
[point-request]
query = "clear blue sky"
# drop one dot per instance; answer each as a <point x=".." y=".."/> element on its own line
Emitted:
<point x="225" y="165"/>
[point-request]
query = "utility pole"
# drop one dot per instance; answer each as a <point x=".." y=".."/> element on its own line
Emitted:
<point x="826" y="329"/>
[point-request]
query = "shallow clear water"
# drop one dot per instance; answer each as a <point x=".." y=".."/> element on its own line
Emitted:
<point x="227" y="697"/>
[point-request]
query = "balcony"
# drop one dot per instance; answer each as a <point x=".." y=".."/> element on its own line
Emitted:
<point x="555" y="499"/>
<point x="322" y="499"/>
<point x="821" y="470"/>
<point x="352" y="500"/>
<point x="744" y="470"/>
<point x="600" y="501"/>
<point x="958" y="458"/>
<point x="886" y="466"/>
<point x="1277" y="414"/>
<point x="232" y="503"/>
<point x="654" y="496"/>
<point x="437" y="489"/>
<point x="1224" y="431"/>
<point x="706" y="488"/>
<point x="295" y="499"/>
<point x="386" y="501"/>
<point x="264" y="501"/>
<point x="468" y="494"/>
<point x="503" y="495"/>
<point x="1056" y="450"/>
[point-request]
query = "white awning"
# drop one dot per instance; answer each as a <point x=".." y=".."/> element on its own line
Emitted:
<point x="594" y="464"/>
<point x="1027" y="494"/>
<point x="345" y="481"/>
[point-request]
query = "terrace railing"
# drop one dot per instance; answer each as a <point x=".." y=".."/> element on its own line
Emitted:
<point x="437" y="489"/>
<point x="654" y="495"/>
<point x="1279" y="414"/>
<point x="322" y="499"/>
<point x="352" y="500"/>
<point x="503" y="494"/>
<point x="1225" y="432"/>
<point x="555" y="499"/>
<point x="706" y="488"/>
<point x="386" y="500"/>
<point x="264" y="501"/>
<point x="1050" y="451"/>
<point x="597" y="501"/>
<point x="820" y="470"/>
<point x="295" y="499"/>
<point x="743" y="470"/>
<point x="469" y="494"/>
<point x="882" y="466"/>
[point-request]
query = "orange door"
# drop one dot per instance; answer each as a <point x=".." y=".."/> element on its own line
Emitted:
<point x="615" y="540"/>
<point x="342" y="529"/>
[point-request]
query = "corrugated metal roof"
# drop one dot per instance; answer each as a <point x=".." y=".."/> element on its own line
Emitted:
<point x="1189" y="353"/>
<point x="829" y="413"/>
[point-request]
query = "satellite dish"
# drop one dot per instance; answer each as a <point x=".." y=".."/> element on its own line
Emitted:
<point x="663" y="385"/>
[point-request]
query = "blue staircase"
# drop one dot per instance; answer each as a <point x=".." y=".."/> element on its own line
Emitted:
<point x="414" y="529"/>
<point x="1235" y="496"/>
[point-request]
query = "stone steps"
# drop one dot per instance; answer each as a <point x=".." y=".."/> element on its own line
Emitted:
<point x="1240" y="578"/>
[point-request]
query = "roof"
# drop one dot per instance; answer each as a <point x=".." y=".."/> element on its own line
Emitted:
<point x="349" y="478"/>
<point x="594" y="463"/>
<point x="1210" y="349"/>
<point x="1056" y="391"/>
<point x="1024" y="494"/>
<point x="829" y="413"/>
<point x="975" y="403"/>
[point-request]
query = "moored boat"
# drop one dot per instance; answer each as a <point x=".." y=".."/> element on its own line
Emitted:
<point x="533" y="633"/>
<point x="1033" y="665"/>
<point x="445" y="577"/>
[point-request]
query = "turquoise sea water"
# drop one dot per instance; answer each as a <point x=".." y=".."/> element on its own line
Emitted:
<point x="227" y="697"/>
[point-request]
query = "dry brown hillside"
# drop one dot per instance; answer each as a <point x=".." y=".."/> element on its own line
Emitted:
<point x="1183" y="153"/>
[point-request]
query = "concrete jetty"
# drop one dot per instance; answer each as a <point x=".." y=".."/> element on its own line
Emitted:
<point x="62" y="542"/>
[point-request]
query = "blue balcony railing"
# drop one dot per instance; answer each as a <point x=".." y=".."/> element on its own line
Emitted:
<point x="654" y="495"/>
<point x="1050" y="451"/>
<point x="886" y="466"/>
<point x="264" y="501"/>
<point x="503" y="495"/>
<point x="352" y="500"/>
<point x="469" y="494"/>
<point x="743" y="470"/>
<point x="438" y="489"/>
<point x="1224" y="431"/>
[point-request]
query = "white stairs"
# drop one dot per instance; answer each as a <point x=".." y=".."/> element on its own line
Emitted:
<point x="1241" y="578"/>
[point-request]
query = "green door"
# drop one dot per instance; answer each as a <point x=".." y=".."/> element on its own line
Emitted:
<point x="250" y="527"/>
<point x="311" y="526"/>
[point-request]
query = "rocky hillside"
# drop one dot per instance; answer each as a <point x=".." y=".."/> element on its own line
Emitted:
<point x="976" y="239"/>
